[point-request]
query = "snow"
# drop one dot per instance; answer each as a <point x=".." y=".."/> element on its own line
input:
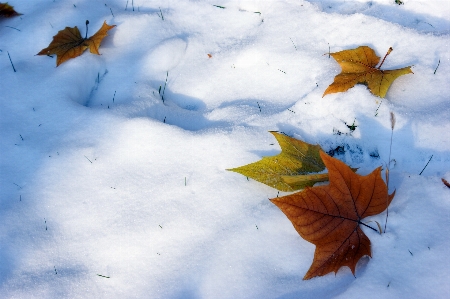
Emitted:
<point x="99" y="176"/>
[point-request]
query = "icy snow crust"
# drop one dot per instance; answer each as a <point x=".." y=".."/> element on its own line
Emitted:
<point x="109" y="192"/>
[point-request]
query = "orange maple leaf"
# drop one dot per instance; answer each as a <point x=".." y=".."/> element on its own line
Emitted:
<point x="358" y="66"/>
<point x="68" y="43"/>
<point x="330" y="216"/>
<point x="7" y="10"/>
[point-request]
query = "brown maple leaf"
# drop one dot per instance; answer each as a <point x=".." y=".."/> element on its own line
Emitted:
<point x="358" y="66"/>
<point x="330" y="216"/>
<point x="68" y="43"/>
<point x="7" y="10"/>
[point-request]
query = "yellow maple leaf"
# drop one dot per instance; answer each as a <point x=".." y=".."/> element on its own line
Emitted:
<point x="358" y="66"/>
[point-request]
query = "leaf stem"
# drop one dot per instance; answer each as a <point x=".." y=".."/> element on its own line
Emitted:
<point x="87" y="23"/>
<point x="388" y="52"/>
<point x="368" y="226"/>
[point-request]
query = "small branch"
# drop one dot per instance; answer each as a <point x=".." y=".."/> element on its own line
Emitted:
<point x="439" y="62"/>
<point x="12" y="28"/>
<point x="376" y="111"/>
<point x="11" y="62"/>
<point x="293" y="44"/>
<point x="426" y="165"/>
<point x="164" y="89"/>
<point x="388" y="169"/>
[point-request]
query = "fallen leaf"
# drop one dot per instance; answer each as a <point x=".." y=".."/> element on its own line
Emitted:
<point x="68" y="43"/>
<point x="95" y="40"/>
<point x="209" y="55"/>
<point x="8" y="11"/>
<point x="358" y="66"/>
<point x="445" y="182"/>
<point x="297" y="159"/>
<point x="330" y="216"/>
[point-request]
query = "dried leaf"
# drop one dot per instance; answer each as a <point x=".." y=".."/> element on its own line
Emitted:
<point x="95" y="40"/>
<point x="358" y="66"/>
<point x="330" y="216"/>
<point x="68" y="43"/>
<point x="445" y="182"/>
<point x="297" y="158"/>
<point x="8" y="11"/>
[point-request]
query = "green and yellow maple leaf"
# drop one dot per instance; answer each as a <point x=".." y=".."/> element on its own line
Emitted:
<point x="296" y="167"/>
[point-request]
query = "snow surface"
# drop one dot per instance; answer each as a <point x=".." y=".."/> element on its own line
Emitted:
<point x="99" y="176"/>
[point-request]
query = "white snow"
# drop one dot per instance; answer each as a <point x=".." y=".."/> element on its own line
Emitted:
<point x="99" y="176"/>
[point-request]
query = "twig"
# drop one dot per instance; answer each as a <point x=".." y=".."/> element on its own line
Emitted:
<point x="439" y="62"/>
<point x="293" y="44"/>
<point x="381" y="102"/>
<point x="162" y="96"/>
<point x="11" y="62"/>
<point x="426" y="165"/>
<point x="12" y="28"/>
<point x="388" y="168"/>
